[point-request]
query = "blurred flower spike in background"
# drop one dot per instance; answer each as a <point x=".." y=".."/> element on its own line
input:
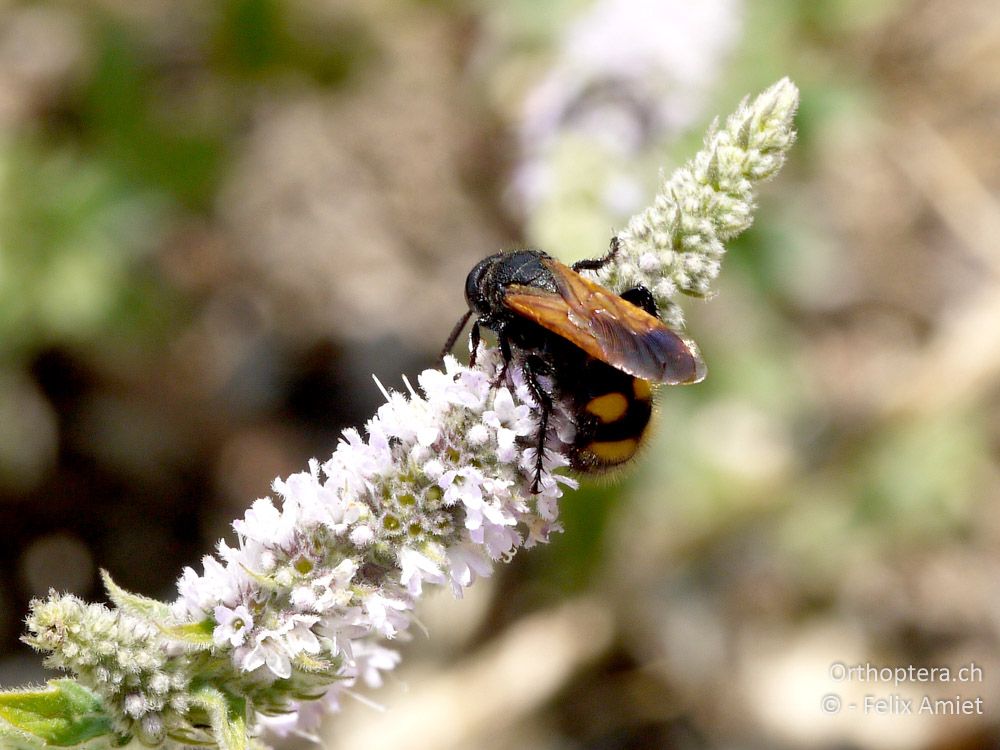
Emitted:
<point x="628" y="79"/>
<point x="434" y="493"/>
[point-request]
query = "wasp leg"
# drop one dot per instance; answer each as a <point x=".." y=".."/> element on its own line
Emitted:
<point x="640" y="296"/>
<point x="506" y="354"/>
<point x="474" y="336"/>
<point x="593" y="264"/>
<point x="531" y="368"/>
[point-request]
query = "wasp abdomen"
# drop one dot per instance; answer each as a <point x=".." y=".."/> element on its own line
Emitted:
<point x="612" y="412"/>
<point x="608" y="408"/>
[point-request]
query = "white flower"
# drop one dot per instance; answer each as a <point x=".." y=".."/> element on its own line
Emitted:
<point x="232" y="625"/>
<point x="299" y="636"/>
<point x="380" y="449"/>
<point x="265" y="524"/>
<point x="305" y="720"/>
<point x="396" y="418"/>
<point x="343" y="573"/>
<point x="200" y="594"/>
<point x="433" y="469"/>
<point x="500" y="541"/>
<point x="342" y="627"/>
<point x="478" y="434"/>
<point x="469" y="389"/>
<point x="353" y="463"/>
<point x="415" y="569"/>
<point x="372" y="659"/>
<point x="194" y="595"/>
<point x="326" y="591"/>
<point x="510" y="421"/>
<point x="386" y="614"/>
<point x="305" y="597"/>
<point x="362" y="535"/>
<point x="462" y="486"/>
<point x="466" y="562"/>
<point x="506" y="415"/>
<point x="317" y="503"/>
<point x="267" y="650"/>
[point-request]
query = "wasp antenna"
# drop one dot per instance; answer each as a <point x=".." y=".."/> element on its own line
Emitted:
<point x="453" y="336"/>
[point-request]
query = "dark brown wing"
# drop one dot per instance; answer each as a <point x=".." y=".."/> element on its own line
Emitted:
<point x="608" y="327"/>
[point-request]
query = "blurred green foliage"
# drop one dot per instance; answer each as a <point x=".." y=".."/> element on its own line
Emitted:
<point x="73" y="234"/>
<point x="140" y="139"/>
<point x="161" y="148"/>
<point x="258" y="39"/>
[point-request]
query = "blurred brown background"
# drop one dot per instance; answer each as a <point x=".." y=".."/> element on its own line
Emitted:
<point x="217" y="220"/>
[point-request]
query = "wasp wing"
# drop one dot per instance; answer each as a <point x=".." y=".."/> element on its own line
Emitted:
<point x="608" y="327"/>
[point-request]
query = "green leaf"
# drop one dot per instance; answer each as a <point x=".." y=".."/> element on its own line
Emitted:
<point x="308" y="663"/>
<point x="152" y="609"/>
<point x="195" y="634"/>
<point x="227" y="715"/>
<point x="64" y="714"/>
<point x="266" y="582"/>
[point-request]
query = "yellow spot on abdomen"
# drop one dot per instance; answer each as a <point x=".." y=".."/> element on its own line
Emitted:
<point x="642" y="389"/>
<point x="608" y="408"/>
<point x="614" y="451"/>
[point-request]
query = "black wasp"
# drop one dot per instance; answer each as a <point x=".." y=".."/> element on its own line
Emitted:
<point x="599" y="350"/>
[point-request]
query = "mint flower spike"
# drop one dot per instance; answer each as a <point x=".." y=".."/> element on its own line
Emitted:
<point x="676" y="244"/>
<point x="275" y="630"/>
<point x="118" y="656"/>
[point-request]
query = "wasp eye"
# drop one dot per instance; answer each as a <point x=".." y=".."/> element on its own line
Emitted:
<point x="473" y="283"/>
<point x="470" y="288"/>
